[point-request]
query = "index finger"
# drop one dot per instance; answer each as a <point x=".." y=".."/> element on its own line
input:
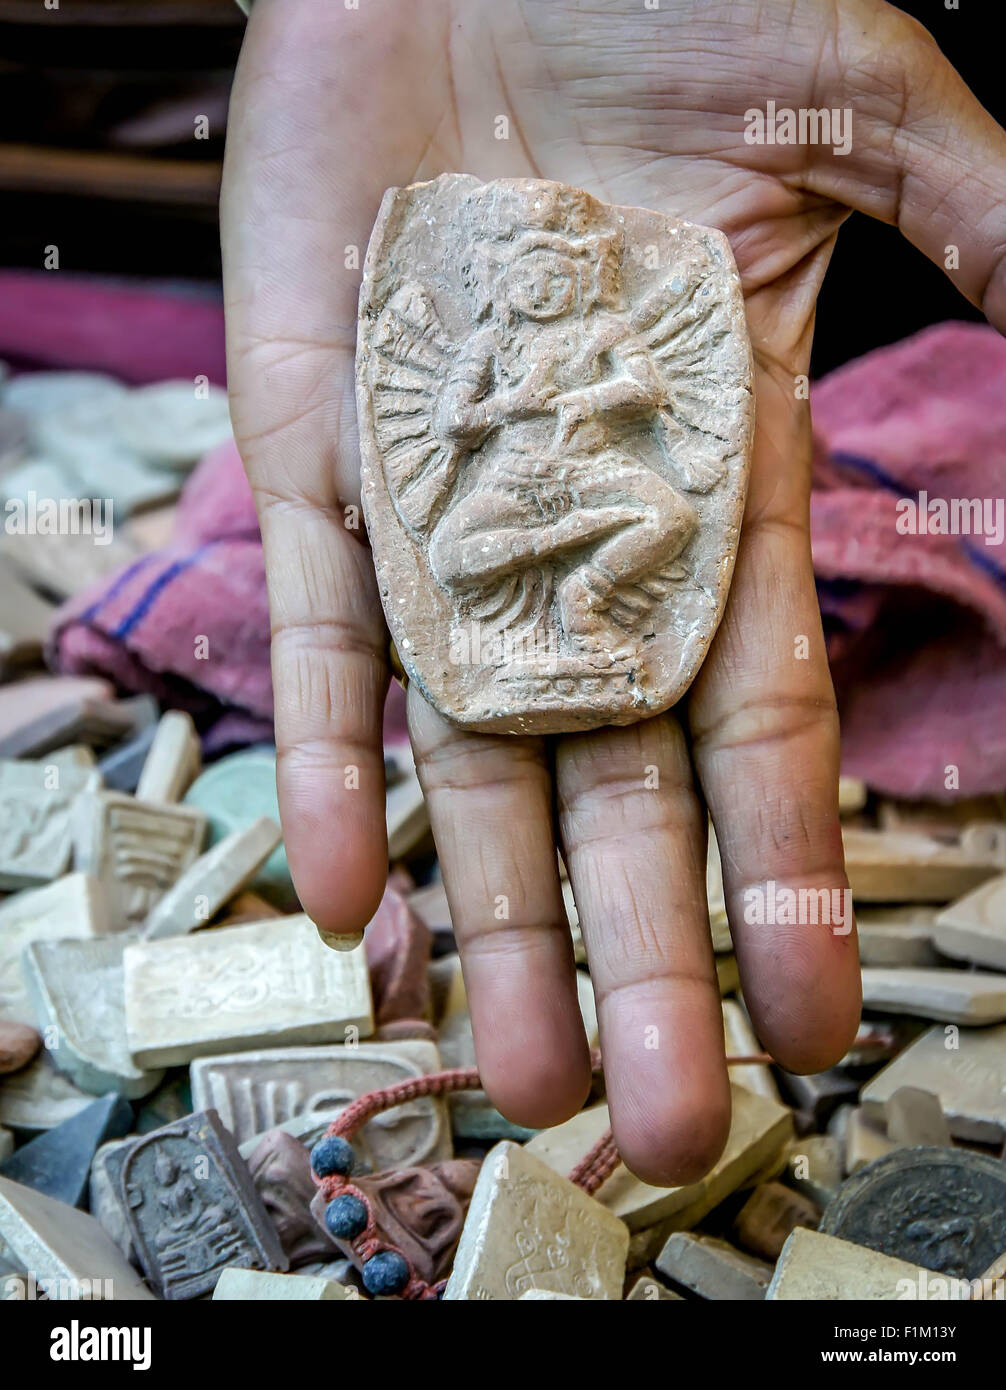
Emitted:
<point x="289" y="199"/>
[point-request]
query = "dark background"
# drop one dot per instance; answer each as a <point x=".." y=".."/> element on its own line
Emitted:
<point x="97" y="130"/>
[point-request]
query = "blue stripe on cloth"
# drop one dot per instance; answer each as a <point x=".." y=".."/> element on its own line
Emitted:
<point x="978" y="556"/>
<point x="143" y="606"/>
<point x="116" y="588"/>
<point x="984" y="561"/>
<point x="859" y="464"/>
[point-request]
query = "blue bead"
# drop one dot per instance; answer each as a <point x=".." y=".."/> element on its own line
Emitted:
<point x="385" y="1273"/>
<point x="346" y="1216"/>
<point x="332" y="1155"/>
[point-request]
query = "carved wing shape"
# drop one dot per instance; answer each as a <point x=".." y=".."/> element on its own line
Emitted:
<point x="409" y="360"/>
<point x="682" y="326"/>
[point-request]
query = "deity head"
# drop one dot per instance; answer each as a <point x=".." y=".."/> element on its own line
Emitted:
<point x="540" y="262"/>
<point x="541" y="282"/>
<point x="165" y="1168"/>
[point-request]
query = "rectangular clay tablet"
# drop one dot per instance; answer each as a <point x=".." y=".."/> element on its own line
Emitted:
<point x="556" y="413"/>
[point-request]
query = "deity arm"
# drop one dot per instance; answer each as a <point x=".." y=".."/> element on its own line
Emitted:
<point x="636" y="387"/>
<point x="461" y="412"/>
<point x="535" y="395"/>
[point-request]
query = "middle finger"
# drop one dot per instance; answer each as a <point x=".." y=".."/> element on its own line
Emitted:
<point x="633" y="832"/>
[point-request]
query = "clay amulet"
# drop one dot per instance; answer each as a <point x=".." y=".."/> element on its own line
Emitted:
<point x="556" y="414"/>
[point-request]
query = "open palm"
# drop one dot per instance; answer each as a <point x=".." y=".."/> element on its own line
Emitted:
<point x="638" y="106"/>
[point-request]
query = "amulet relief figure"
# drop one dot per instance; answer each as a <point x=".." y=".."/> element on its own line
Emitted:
<point x="555" y="414"/>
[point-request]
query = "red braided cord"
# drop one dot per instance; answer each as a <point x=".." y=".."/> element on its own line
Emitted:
<point x="443" y="1083"/>
<point x="365" y="1107"/>
<point x="596" y="1166"/>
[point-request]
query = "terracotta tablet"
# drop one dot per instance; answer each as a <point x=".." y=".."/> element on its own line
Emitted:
<point x="556" y="415"/>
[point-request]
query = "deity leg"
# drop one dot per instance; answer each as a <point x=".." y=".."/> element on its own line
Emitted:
<point x="666" y="523"/>
<point x="490" y="532"/>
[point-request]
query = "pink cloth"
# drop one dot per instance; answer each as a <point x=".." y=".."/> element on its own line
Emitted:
<point x="190" y="623"/>
<point x="141" y="334"/>
<point x="916" y="624"/>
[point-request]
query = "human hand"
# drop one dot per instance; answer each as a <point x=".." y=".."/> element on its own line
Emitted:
<point x="647" y="108"/>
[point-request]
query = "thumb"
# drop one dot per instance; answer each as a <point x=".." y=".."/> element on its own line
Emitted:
<point x="925" y="154"/>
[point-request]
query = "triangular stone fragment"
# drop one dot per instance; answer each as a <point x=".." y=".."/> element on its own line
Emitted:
<point x="58" y="1162"/>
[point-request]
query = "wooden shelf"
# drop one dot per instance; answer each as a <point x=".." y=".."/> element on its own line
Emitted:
<point x="124" y="177"/>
